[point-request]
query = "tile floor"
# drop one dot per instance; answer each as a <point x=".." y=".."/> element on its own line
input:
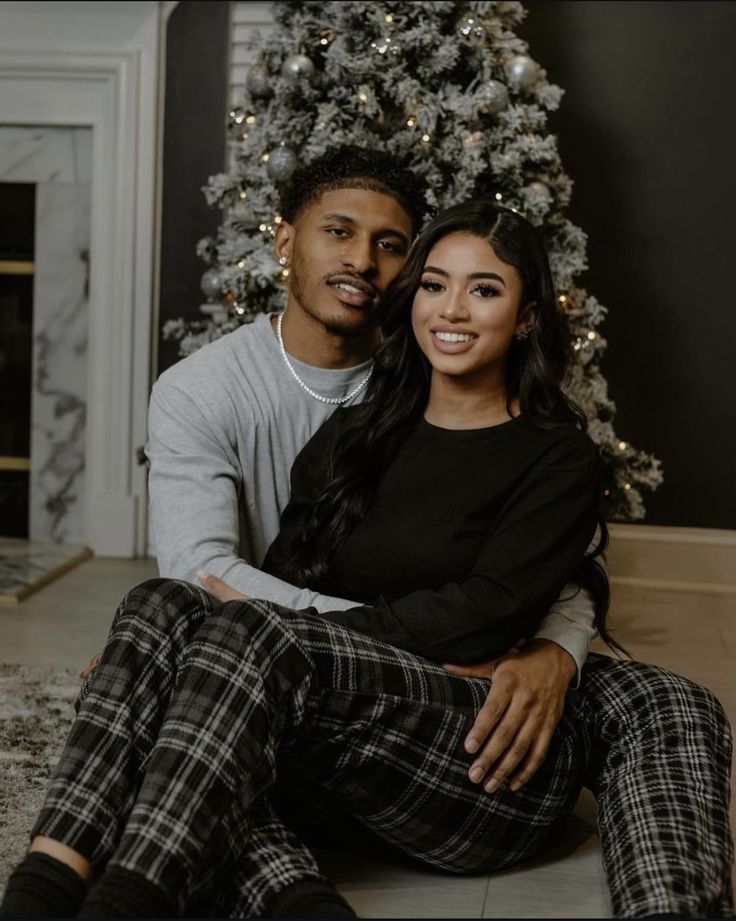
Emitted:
<point x="695" y="634"/>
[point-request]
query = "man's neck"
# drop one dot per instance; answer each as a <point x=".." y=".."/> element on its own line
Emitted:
<point x="307" y="340"/>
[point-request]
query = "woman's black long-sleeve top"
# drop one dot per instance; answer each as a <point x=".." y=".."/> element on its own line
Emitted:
<point x="470" y="540"/>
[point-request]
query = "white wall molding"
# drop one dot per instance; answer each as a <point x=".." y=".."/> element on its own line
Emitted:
<point x="679" y="559"/>
<point x="115" y="92"/>
<point x="246" y="18"/>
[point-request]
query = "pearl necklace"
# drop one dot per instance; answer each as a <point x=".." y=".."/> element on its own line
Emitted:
<point x="317" y="396"/>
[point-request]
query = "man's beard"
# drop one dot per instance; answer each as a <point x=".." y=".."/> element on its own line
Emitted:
<point x="333" y="325"/>
<point x="350" y="330"/>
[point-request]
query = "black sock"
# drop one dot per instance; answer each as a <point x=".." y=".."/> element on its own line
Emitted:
<point x="43" y="887"/>
<point x="120" y="893"/>
<point x="311" y="898"/>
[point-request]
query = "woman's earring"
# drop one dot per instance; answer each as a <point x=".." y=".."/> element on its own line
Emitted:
<point x="282" y="260"/>
<point x="522" y="334"/>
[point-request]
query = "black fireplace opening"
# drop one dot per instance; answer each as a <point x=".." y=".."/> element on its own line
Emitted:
<point x="17" y="250"/>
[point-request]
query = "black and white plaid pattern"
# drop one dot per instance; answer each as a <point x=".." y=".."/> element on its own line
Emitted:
<point x="198" y="709"/>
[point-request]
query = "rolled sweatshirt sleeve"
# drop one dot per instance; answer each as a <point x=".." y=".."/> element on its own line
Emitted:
<point x="535" y="547"/>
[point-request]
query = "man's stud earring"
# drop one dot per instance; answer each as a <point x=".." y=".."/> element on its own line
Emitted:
<point x="522" y="334"/>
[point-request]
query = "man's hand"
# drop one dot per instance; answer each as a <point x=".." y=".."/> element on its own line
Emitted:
<point x="514" y="727"/>
<point x="221" y="590"/>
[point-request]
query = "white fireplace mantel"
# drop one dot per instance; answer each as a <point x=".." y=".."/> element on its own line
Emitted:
<point x="114" y="91"/>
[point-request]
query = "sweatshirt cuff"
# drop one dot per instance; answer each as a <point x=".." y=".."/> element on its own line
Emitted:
<point x="573" y="637"/>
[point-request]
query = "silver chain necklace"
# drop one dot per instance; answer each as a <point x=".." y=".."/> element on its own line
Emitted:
<point x="317" y="396"/>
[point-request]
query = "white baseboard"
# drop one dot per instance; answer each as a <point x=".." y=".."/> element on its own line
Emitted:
<point x="679" y="559"/>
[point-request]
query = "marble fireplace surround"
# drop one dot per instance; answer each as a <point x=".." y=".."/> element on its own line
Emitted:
<point x="102" y="90"/>
<point x="57" y="162"/>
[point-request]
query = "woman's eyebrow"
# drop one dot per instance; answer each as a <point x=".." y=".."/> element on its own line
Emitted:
<point x="492" y="275"/>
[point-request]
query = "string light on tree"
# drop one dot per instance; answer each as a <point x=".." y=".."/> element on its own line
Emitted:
<point x="472" y="29"/>
<point x="381" y="45"/>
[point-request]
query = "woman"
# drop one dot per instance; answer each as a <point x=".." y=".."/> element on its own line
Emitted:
<point x="455" y="502"/>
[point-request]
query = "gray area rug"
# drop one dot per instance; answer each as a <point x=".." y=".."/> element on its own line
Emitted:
<point x="36" y="712"/>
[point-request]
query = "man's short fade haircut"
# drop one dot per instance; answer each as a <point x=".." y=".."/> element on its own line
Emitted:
<point x="353" y="167"/>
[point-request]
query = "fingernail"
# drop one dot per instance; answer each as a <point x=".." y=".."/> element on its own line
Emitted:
<point x="476" y="774"/>
<point x="491" y="785"/>
<point x="203" y="575"/>
<point x="471" y="744"/>
<point x="517" y="784"/>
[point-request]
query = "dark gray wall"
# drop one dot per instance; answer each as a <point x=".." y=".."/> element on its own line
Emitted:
<point x="647" y="133"/>
<point x="196" y="97"/>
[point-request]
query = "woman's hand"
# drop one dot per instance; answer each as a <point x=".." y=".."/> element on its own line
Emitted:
<point x="221" y="590"/>
<point x="515" y="725"/>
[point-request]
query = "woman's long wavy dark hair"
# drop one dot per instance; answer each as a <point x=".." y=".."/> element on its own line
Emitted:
<point x="398" y="392"/>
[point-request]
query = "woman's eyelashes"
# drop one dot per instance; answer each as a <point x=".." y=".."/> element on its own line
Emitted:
<point x="432" y="286"/>
<point x="483" y="290"/>
<point x="486" y="290"/>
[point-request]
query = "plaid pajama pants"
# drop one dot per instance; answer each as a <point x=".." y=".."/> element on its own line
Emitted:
<point x="199" y="711"/>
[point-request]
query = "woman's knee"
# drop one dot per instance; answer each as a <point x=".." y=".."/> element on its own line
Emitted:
<point x="639" y="694"/>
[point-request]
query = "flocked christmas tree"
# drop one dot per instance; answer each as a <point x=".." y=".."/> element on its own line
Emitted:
<point x="450" y="87"/>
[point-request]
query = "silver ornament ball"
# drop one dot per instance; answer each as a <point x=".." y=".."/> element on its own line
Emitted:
<point x="521" y="71"/>
<point x="258" y="83"/>
<point x="492" y="97"/>
<point x="211" y="284"/>
<point x="297" y="67"/>
<point x="539" y="190"/>
<point x="281" y="164"/>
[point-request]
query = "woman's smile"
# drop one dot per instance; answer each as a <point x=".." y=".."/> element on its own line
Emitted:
<point x="450" y="341"/>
